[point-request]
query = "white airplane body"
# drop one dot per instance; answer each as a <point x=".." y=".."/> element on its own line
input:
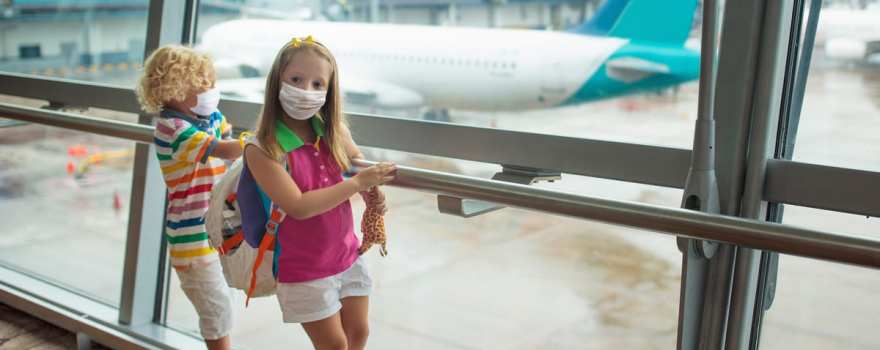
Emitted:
<point x="405" y="66"/>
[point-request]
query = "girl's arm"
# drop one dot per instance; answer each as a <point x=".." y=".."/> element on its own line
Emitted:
<point x="350" y="147"/>
<point x="355" y="153"/>
<point x="281" y="188"/>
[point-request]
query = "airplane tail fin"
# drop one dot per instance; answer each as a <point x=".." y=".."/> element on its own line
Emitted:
<point x="667" y="21"/>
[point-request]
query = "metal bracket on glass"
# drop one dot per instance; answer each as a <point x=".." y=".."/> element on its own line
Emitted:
<point x="10" y="123"/>
<point x="59" y="106"/>
<point x="701" y="186"/>
<point x="468" y="208"/>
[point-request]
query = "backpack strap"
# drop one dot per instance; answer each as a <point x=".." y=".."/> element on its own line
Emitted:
<point x="276" y="216"/>
<point x="235" y="240"/>
<point x="231" y="243"/>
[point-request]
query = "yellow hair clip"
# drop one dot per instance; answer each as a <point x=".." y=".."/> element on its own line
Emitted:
<point x="297" y="42"/>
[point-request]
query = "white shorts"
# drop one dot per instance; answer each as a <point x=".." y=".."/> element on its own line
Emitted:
<point x="206" y="289"/>
<point x="316" y="300"/>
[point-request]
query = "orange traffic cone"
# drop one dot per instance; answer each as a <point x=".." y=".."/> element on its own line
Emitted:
<point x="77" y="151"/>
<point x="117" y="201"/>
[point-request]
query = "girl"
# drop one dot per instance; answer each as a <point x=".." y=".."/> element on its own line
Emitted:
<point x="323" y="284"/>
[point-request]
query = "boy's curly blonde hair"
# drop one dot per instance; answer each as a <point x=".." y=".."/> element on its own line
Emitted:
<point x="171" y="73"/>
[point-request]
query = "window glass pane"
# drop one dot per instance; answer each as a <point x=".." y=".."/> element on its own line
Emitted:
<point x="842" y="100"/>
<point x="822" y="305"/>
<point x="550" y="68"/>
<point x="451" y="282"/>
<point x="94" y="40"/>
<point x="508" y="279"/>
<point x="64" y="198"/>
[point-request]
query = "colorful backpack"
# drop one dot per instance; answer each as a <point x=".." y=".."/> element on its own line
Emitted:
<point x="244" y="235"/>
<point x="241" y="232"/>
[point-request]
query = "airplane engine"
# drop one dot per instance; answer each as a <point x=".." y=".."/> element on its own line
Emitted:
<point x="227" y="69"/>
<point x="846" y="49"/>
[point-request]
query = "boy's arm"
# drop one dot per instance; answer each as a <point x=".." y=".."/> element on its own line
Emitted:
<point x="179" y="140"/>
<point x="227" y="148"/>
<point x="225" y="128"/>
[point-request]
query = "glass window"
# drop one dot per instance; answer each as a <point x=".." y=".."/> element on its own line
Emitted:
<point x="84" y="40"/>
<point x="577" y="277"/>
<point x="64" y="202"/>
<point x="508" y="279"/>
<point x="29" y="51"/>
<point x="839" y="120"/>
<point x="821" y="305"/>
<point x="593" y="77"/>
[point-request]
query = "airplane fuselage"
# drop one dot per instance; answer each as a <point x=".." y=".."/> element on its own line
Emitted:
<point x="453" y="67"/>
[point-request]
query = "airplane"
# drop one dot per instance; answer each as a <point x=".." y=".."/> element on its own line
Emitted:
<point x="849" y="34"/>
<point x="629" y="46"/>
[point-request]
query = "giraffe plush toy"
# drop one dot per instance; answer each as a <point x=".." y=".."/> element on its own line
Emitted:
<point x="373" y="225"/>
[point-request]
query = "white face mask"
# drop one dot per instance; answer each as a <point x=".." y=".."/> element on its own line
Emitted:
<point x="208" y="102"/>
<point x="300" y="104"/>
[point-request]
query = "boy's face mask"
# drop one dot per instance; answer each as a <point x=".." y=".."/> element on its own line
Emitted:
<point x="207" y="102"/>
<point x="301" y="104"/>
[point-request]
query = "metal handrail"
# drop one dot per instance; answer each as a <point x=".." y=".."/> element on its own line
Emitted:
<point x="864" y="251"/>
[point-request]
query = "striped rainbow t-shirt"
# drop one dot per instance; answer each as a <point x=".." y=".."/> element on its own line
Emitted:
<point x="184" y="145"/>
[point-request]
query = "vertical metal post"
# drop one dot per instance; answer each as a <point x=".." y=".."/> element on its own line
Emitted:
<point x="765" y="114"/>
<point x="800" y="56"/>
<point x="494" y="14"/>
<point x="706" y="287"/>
<point x="389" y="7"/>
<point x="701" y="190"/>
<point x="144" y="253"/>
<point x="190" y="22"/>
<point x="546" y="22"/>
<point x="374" y="11"/>
<point x="453" y="14"/>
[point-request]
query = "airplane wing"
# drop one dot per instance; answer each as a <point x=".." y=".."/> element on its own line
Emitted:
<point x="631" y="69"/>
<point x="852" y="49"/>
<point x="357" y="91"/>
<point x="248" y="89"/>
<point x="378" y="93"/>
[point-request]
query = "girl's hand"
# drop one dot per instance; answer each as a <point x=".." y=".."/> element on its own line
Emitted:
<point x="378" y="202"/>
<point x="374" y="176"/>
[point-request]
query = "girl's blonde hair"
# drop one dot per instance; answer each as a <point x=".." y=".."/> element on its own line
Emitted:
<point x="331" y="113"/>
<point x="171" y="73"/>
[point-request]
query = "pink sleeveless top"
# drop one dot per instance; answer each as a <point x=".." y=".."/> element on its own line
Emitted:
<point x="323" y="245"/>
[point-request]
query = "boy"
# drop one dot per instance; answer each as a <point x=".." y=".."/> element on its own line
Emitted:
<point x="191" y="137"/>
